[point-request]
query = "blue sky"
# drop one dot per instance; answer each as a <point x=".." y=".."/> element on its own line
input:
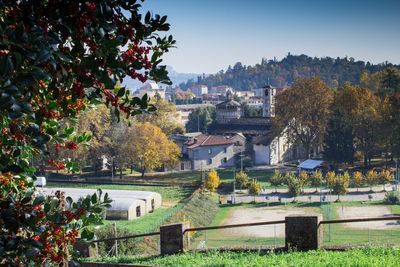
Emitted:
<point x="213" y="34"/>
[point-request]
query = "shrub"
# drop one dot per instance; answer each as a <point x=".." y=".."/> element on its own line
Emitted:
<point x="303" y="177"/>
<point x="129" y="246"/>
<point x="242" y="179"/>
<point x="316" y="179"/>
<point x="341" y="184"/>
<point x="384" y="177"/>
<point x="330" y="179"/>
<point x="212" y="181"/>
<point x="254" y="188"/>
<point x="371" y="178"/>
<point x="277" y="179"/>
<point x="294" y="184"/>
<point x="358" y="179"/>
<point x="392" y="198"/>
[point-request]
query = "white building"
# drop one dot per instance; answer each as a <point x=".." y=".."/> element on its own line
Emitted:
<point x="151" y="89"/>
<point x="199" y="90"/>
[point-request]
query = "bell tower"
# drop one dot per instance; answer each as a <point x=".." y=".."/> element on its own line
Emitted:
<point x="269" y="101"/>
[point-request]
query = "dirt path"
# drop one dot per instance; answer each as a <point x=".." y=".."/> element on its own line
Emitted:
<point x="365" y="212"/>
<point x="248" y="215"/>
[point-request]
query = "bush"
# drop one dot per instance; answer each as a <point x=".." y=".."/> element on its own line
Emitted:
<point x="294" y="184"/>
<point x="392" y="198"/>
<point x="277" y="179"/>
<point x="242" y="179"/>
<point x="212" y="181"/>
<point x="129" y="246"/>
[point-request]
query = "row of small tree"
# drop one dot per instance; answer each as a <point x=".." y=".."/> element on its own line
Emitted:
<point x="337" y="183"/>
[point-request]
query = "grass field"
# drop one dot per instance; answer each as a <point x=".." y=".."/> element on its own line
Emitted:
<point x="335" y="234"/>
<point x="369" y="257"/>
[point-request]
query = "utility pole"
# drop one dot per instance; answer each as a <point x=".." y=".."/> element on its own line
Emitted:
<point x="198" y="123"/>
<point x="397" y="174"/>
<point x="241" y="160"/>
<point x="234" y="186"/>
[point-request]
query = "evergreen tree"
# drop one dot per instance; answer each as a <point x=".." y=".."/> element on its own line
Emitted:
<point x="339" y="137"/>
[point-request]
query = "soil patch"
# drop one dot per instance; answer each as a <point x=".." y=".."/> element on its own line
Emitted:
<point x="367" y="212"/>
<point x="261" y="214"/>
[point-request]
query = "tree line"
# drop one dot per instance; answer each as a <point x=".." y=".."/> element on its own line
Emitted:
<point x="348" y="123"/>
<point x="139" y="143"/>
<point x="333" y="71"/>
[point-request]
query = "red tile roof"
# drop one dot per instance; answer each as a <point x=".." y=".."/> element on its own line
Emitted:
<point x="208" y="140"/>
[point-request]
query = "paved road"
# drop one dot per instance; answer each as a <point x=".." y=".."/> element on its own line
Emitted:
<point x="309" y="195"/>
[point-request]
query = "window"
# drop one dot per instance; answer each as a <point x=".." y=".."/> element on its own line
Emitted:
<point x="209" y="161"/>
<point x="225" y="160"/>
<point x="225" y="150"/>
<point x="210" y="151"/>
<point x="182" y="166"/>
<point x="138" y="211"/>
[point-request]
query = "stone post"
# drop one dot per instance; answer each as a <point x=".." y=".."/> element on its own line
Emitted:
<point x="86" y="250"/>
<point x="303" y="232"/>
<point x="172" y="238"/>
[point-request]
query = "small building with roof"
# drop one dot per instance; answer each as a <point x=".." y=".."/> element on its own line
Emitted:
<point x="228" y="110"/>
<point x="210" y="151"/>
<point x="126" y="204"/>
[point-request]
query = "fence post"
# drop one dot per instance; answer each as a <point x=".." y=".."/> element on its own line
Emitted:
<point x="86" y="250"/>
<point x="172" y="238"/>
<point x="303" y="232"/>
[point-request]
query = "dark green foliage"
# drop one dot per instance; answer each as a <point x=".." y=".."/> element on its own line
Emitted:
<point x="200" y="119"/>
<point x="125" y="247"/>
<point x="334" y="72"/>
<point x="392" y="198"/>
<point x="339" y="138"/>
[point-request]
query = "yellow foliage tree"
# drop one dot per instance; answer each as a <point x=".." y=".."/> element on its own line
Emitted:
<point x="254" y="188"/>
<point x="303" y="177"/>
<point x="212" y="181"/>
<point x="371" y="178"/>
<point x="150" y="148"/>
<point x="242" y="179"/>
<point x="358" y="179"/>
<point x="316" y="179"/>
<point x="385" y="176"/>
<point x="330" y="178"/>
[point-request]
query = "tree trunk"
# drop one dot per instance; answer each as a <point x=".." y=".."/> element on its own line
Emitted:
<point x="120" y="172"/>
<point x="142" y="171"/>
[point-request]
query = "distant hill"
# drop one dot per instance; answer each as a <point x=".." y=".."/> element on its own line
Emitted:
<point x="175" y="77"/>
<point x="334" y="71"/>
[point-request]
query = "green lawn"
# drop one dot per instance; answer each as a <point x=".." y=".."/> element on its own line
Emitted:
<point x="334" y="234"/>
<point x="369" y="257"/>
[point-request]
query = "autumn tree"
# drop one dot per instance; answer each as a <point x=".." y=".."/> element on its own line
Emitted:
<point x="149" y="148"/>
<point x="56" y="59"/>
<point x="254" y="188"/>
<point x="303" y="110"/>
<point x="212" y="181"/>
<point x="358" y="179"/>
<point x="385" y="176"/>
<point x="276" y="179"/>
<point x="165" y="117"/>
<point x="303" y="178"/>
<point x="361" y="109"/>
<point x="371" y="178"/>
<point x="330" y="179"/>
<point x="294" y="184"/>
<point x="242" y="179"/>
<point x="316" y="179"/>
<point x="341" y="184"/>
